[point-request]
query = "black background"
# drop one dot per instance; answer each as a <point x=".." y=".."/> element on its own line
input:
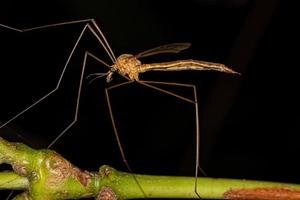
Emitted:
<point x="249" y="123"/>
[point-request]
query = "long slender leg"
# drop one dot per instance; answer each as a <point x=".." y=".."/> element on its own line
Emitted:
<point x="10" y="194"/>
<point x="86" y="27"/>
<point x="113" y="121"/>
<point x="193" y="101"/>
<point x="104" y="44"/>
<point x="86" y="56"/>
<point x="101" y="39"/>
<point x="116" y="131"/>
<point x="100" y="36"/>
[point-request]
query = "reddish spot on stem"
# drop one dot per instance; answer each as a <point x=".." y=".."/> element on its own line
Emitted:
<point x="61" y="169"/>
<point x="83" y="176"/>
<point x="107" y="193"/>
<point x="19" y="169"/>
<point x="275" y="193"/>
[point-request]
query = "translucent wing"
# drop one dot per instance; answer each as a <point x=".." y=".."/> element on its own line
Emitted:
<point x="169" y="48"/>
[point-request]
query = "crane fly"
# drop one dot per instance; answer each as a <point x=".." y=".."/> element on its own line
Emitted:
<point x="130" y="67"/>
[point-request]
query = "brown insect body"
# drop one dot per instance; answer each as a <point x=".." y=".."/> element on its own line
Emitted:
<point x="129" y="66"/>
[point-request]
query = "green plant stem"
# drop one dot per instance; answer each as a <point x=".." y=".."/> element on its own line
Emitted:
<point x="12" y="181"/>
<point x="183" y="187"/>
<point x="124" y="186"/>
<point x="45" y="175"/>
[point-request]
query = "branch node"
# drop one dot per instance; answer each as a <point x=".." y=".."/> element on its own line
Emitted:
<point x="105" y="171"/>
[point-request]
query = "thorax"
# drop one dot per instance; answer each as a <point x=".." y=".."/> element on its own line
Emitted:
<point x="128" y="65"/>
